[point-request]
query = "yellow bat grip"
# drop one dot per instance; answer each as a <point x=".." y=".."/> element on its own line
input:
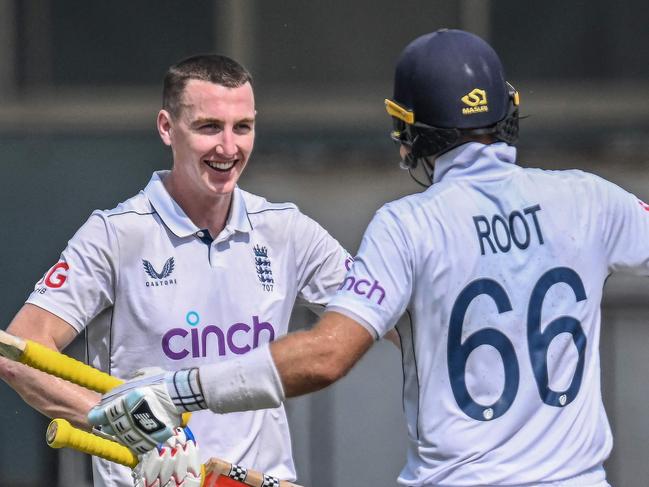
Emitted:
<point x="65" y="367"/>
<point x="60" y="365"/>
<point x="61" y="434"/>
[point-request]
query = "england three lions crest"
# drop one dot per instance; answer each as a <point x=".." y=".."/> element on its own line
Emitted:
<point x="262" y="265"/>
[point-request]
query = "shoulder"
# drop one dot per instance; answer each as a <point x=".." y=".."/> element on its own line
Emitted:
<point x="261" y="212"/>
<point x="134" y="210"/>
<point x="410" y="209"/>
<point x="283" y="221"/>
<point x="402" y="219"/>
<point x="136" y="205"/>
<point x="106" y="227"/>
<point x="131" y="220"/>
<point x="575" y="181"/>
<point x="576" y="175"/>
<point x="258" y="205"/>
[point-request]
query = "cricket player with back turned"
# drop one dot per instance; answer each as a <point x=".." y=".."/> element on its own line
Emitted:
<point x="192" y="270"/>
<point x="500" y="270"/>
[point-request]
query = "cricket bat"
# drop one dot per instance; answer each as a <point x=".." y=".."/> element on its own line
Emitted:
<point x="61" y="434"/>
<point x="60" y="365"/>
<point x="54" y="363"/>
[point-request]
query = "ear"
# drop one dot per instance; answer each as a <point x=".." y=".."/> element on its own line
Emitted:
<point x="164" y="123"/>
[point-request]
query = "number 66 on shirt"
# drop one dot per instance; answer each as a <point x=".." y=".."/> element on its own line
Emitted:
<point x="538" y="343"/>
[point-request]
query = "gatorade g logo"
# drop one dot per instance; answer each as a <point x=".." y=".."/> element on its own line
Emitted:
<point x="475" y="101"/>
<point x="57" y="275"/>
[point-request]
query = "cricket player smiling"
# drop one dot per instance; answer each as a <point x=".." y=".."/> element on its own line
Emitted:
<point x="500" y="270"/>
<point x="192" y="270"/>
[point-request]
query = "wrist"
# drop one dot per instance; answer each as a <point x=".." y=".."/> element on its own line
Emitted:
<point x="245" y="383"/>
<point x="185" y="390"/>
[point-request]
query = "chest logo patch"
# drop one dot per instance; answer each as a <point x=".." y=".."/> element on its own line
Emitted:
<point x="159" y="278"/>
<point x="475" y="101"/>
<point x="263" y="267"/>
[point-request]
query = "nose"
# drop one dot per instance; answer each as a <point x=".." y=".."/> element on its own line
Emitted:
<point x="226" y="145"/>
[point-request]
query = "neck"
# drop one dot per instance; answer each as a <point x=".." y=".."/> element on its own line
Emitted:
<point x="210" y="212"/>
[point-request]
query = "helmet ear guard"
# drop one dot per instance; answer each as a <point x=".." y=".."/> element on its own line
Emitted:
<point x="507" y="129"/>
<point x="426" y="141"/>
<point x="433" y="141"/>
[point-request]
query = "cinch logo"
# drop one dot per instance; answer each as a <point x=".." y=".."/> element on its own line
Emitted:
<point x="57" y="275"/>
<point x="476" y="102"/>
<point x="211" y="339"/>
<point x="159" y="278"/>
<point x="364" y="287"/>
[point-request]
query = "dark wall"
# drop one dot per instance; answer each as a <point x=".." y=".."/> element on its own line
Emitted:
<point x="50" y="185"/>
<point x="75" y="43"/>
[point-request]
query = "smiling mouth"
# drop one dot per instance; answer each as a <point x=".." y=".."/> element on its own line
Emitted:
<point x="223" y="166"/>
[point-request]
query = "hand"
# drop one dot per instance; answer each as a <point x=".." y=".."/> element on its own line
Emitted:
<point x="140" y="413"/>
<point x="172" y="464"/>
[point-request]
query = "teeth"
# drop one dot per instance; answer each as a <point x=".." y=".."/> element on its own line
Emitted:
<point x="223" y="166"/>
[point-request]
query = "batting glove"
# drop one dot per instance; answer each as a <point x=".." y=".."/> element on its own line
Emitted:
<point x="140" y="413"/>
<point x="172" y="464"/>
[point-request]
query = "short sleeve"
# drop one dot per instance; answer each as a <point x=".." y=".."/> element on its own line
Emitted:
<point x="625" y="230"/>
<point x="378" y="286"/>
<point x="321" y="263"/>
<point x="82" y="283"/>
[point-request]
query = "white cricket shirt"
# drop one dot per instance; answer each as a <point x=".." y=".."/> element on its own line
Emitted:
<point x="152" y="289"/>
<point x="500" y="270"/>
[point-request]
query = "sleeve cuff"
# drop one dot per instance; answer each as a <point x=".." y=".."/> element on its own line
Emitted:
<point x="361" y="321"/>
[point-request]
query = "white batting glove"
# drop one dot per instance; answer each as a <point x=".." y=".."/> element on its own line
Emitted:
<point x="172" y="464"/>
<point x="145" y="410"/>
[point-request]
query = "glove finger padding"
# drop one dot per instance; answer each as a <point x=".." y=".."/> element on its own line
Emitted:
<point x="172" y="464"/>
<point x="140" y="413"/>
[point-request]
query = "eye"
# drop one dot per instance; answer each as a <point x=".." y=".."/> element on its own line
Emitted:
<point x="243" y="128"/>
<point x="209" y="127"/>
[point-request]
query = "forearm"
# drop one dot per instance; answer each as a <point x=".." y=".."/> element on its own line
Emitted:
<point x="53" y="397"/>
<point x="261" y="379"/>
<point x="307" y="362"/>
<point x="296" y="364"/>
<point x="314" y="359"/>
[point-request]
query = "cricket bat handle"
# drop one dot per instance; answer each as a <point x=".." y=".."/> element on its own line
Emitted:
<point x="61" y="434"/>
<point x="60" y="365"/>
<point x="54" y="363"/>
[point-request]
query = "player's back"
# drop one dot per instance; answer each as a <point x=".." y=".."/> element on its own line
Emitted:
<point x="502" y="372"/>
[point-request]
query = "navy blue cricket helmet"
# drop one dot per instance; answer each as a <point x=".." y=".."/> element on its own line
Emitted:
<point x="450" y="84"/>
